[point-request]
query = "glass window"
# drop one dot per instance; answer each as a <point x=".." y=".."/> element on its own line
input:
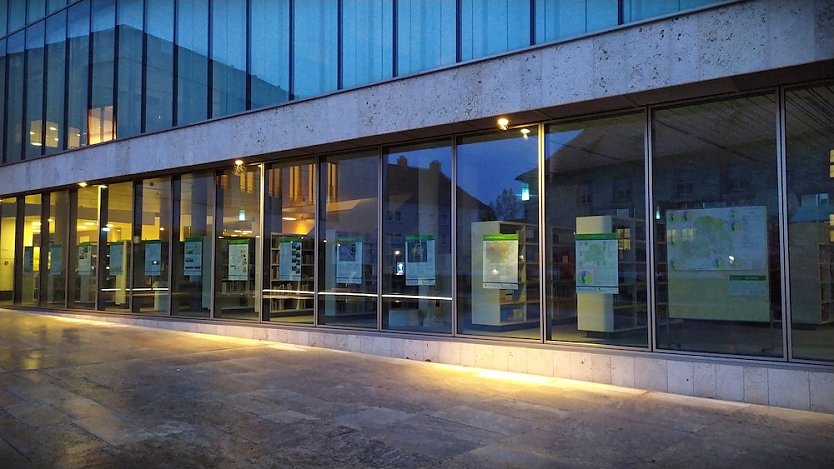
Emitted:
<point x="492" y="26"/>
<point x="636" y="10"/>
<point x="159" y="67"/>
<point x="129" y="114"/>
<point x="192" y="249"/>
<point x="17" y="14"/>
<point x="100" y="118"/>
<point x="31" y="243"/>
<point x="717" y="228"/>
<point x="56" y="48"/>
<point x="238" y="255"/>
<point x="150" y="254"/>
<point x="228" y="57"/>
<point x="34" y="90"/>
<point x="269" y="41"/>
<point x="348" y="240"/>
<point x="4" y="14"/>
<point x="417" y="238"/>
<point x="56" y="249"/>
<point x="34" y="10"/>
<point x="290" y="208"/>
<point x="315" y="42"/>
<point x="54" y="5"/>
<point x="8" y="220"/>
<point x="497" y="234"/>
<point x="192" y="61"/>
<point x="558" y="19"/>
<point x="367" y="41"/>
<point x="78" y="30"/>
<point x="596" y="231"/>
<point x="426" y="34"/>
<point x="14" y="98"/>
<point x="810" y="195"/>
<point x="118" y="229"/>
<point x="83" y="256"/>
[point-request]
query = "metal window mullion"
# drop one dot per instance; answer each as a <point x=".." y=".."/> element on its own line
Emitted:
<point x="395" y="19"/>
<point x="17" y="280"/>
<point x="379" y="235"/>
<point x="340" y="13"/>
<point x="458" y="31"/>
<point x="650" y="232"/>
<point x="115" y="97"/>
<point x="318" y="164"/>
<point x="90" y="74"/>
<point x="135" y="233"/>
<point x="43" y="263"/>
<point x="25" y="98"/>
<point x="781" y="168"/>
<point x="214" y="234"/>
<point x="544" y="319"/>
<point x="210" y="61"/>
<point x="291" y="57"/>
<point x="71" y="239"/>
<point x="248" y="45"/>
<point x="103" y="202"/>
<point x="43" y="95"/>
<point x="260" y="244"/>
<point x="175" y="188"/>
<point x="175" y="67"/>
<point x="64" y="144"/>
<point x="453" y="217"/>
<point x="143" y="93"/>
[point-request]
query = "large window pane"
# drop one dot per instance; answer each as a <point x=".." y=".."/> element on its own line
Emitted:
<point x="150" y="255"/>
<point x="4" y="16"/>
<point x="56" y="48"/>
<point x="493" y="26"/>
<point x="348" y="244"/>
<point x="367" y="41"/>
<point x="238" y="255"/>
<point x="159" y="67"/>
<point x="596" y="243"/>
<point x="17" y="14"/>
<point x="497" y="234"/>
<point x="100" y="118"/>
<point x="130" y="21"/>
<point x="426" y="34"/>
<point x="315" y="44"/>
<point x="118" y="230"/>
<point x="417" y="238"/>
<point x="78" y="31"/>
<point x="31" y="242"/>
<point x="810" y="167"/>
<point x="83" y="254"/>
<point x="34" y="90"/>
<point x="636" y="10"/>
<point x="228" y="57"/>
<point x="14" y="98"/>
<point x="192" y="249"/>
<point x="291" y="223"/>
<point x="56" y="249"/>
<point x="53" y="5"/>
<point x="717" y="228"/>
<point x="557" y="19"/>
<point x="34" y="10"/>
<point x="8" y="219"/>
<point x="192" y="61"/>
<point x="269" y="42"/>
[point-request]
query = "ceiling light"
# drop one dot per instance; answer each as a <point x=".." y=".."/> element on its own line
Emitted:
<point x="289" y="218"/>
<point x="82" y="184"/>
<point x="503" y="123"/>
<point x="238" y="162"/>
<point x="525" y="132"/>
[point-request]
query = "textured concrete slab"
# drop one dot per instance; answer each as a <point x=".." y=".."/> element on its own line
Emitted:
<point x="134" y="397"/>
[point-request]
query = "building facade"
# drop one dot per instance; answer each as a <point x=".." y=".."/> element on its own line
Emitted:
<point x="628" y="192"/>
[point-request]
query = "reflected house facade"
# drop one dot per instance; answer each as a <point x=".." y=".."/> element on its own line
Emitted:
<point x="656" y="212"/>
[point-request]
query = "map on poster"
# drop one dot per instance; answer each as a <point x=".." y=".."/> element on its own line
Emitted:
<point x="349" y="260"/>
<point x="153" y="258"/>
<point x="193" y="257"/>
<point x="500" y="267"/>
<point x="55" y="255"/>
<point x="419" y="260"/>
<point x="290" y="259"/>
<point x="239" y="259"/>
<point x="717" y="239"/>
<point x="117" y="252"/>
<point x="597" y="263"/>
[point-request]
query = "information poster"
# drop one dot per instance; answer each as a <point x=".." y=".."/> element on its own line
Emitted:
<point x="28" y="259"/>
<point x="117" y="252"/>
<point x="85" y="260"/>
<point x="290" y="260"/>
<point x="419" y="260"/>
<point x="349" y="260"/>
<point x="55" y="257"/>
<point x="597" y="263"/>
<point x="239" y="259"/>
<point x="500" y="267"/>
<point x="193" y="257"/>
<point x="153" y="258"/>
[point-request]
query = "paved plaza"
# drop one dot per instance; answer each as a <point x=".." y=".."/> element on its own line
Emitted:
<point x="77" y="393"/>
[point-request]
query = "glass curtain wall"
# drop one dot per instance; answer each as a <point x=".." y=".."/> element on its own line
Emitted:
<point x="367" y="41"/>
<point x="810" y="169"/>
<point x="191" y="263"/>
<point x="34" y="90"/>
<point x="228" y="57"/>
<point x="315" y="47"/>
<point x="8" y="221"/>
<point x="15" y="91"/>
<point x="56" y="63"/>
<point x="192" y="60"/>
<point x="348" y="240"/>
<point x="118" y="258"/>
<point x="269" y="43"/>
<point x="290" y="227"/>
<point x="159" y="65"/>
<point x="559" y="19"/>
<point x="238" y="251"/>
<point x="717" y="227"/>
<point x="130" y="47"/>
<point x="417" y="271"/>
<point x="492" y="26"/>
<point x="596" y="231"/>
<point x="426" y="34"/>
<point x="83" y="255"/>
<point x="78" y="61"/>
<point x="150" y="290"/>
<point x="3" y="101"/>
<point x="497" y="234"/>
<point x="31" y="242"/>
<point x="100" y="116"/>
<point x="637" y="10"/>
<point x="55" y="249"/>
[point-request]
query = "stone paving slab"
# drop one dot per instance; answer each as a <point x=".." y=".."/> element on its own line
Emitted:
<point x="92" y="394"/>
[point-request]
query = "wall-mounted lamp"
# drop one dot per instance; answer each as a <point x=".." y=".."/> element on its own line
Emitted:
<point x="503" y="123"/>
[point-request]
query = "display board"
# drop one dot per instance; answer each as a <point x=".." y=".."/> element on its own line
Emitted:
<point x="289" y="261"/>
<point x="55" y="260"/>
<point x="500" y="261"/>
<point x="193" y="257"/>
<point x="153" y="258"/>
<point x="349" y="260"/>
<point x="596" y="263"/>
<point x="239" y="259"/>
<point x="419" y="260"/>
<point x="722" y="251"/>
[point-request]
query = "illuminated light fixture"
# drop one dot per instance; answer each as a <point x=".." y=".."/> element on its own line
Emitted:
<point x="106" y="228"/>
<point x="241" y="215"/>
<point x="54" y="129"/>
<point x="525" y="190"/>
<point x="82" y="184"/>
<point x="289" y="218"/>
<point x="37" y="144"/>
<point x="50" y="220"/>
<point x="525" y="132"/>
<point x="161" y="228"/>
<point x="397" y="253"/>
<point x="31" y="133"/>
<point x="503" y="123"/>
<point x="109" y="225"/>
<point x="239" y="168"/>
<point x="238" y="162"/>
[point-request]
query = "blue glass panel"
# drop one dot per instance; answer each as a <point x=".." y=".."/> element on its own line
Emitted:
<point x="637" y="10"/>
<point x="4" y="14"/>
<point x="129" y="96"/>
<point x="56" y="48"/>
<point x="2" y="94"/>
<point x="367" y="41"/>
<point x="228" y="56"/>
<point x="269" y="45"/>
<point x="558" y="19"/>
<point x="159" y="66"/>
<point x="426" y="36"/>
<point x="34" y="10"/>
<point x="315" y="45"/>
<point x="33" y="121"/>
<point x="14" y="93"/>
<point x="54" y="5"/>
<point x="100" y="121"/>
<point x="17" y="14"/>
<point x="492" y="26"/>
<point x="192" y="65"/>
<point x="78" y="35"/>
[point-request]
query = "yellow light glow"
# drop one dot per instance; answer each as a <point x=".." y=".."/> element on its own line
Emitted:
<point x="289" y="218"/>
<point x="82" y="184"/>
<point x="503" y="123"/>
<point x="238" y="162"/>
